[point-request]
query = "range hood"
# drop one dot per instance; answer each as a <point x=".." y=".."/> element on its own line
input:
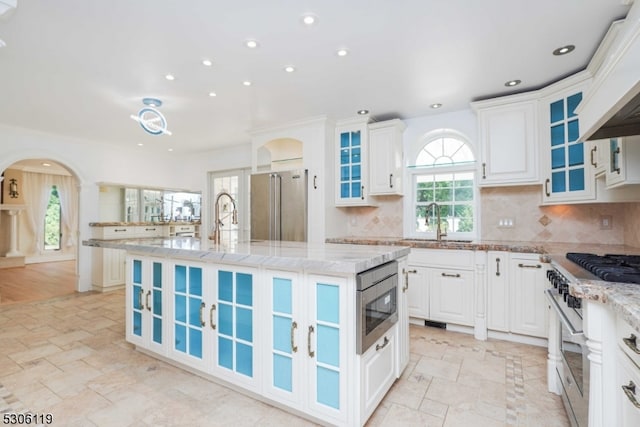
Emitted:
<point x="611" y="106"/>
<point x="624" y="122"/>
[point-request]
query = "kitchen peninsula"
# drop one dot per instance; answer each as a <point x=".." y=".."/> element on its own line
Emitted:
<point x="276" y="320"/>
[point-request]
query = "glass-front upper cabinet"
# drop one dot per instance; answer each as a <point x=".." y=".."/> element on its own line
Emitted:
<point x="131" y="205"/>
<point x="568" y="177"/>
<point x="352" y="162"/>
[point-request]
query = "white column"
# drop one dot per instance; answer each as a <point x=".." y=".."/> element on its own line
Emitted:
<point x="13" y="212"/>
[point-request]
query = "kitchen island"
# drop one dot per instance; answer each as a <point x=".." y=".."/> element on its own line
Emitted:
<point x="275" y="320"/>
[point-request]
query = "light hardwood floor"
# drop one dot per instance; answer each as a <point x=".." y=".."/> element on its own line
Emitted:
<point x="36" y="282"/>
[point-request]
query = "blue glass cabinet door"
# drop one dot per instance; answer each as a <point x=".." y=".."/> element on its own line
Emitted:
<point x="235" y="342"/>
<point x="188" y="311"/>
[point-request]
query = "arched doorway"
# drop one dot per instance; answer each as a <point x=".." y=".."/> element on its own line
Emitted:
<point x="39" y="223"/>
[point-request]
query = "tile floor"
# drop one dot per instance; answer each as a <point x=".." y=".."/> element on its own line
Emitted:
<point x="67" y="356"/>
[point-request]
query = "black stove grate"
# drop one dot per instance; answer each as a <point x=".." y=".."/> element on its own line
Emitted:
<point x="610" y="267"/>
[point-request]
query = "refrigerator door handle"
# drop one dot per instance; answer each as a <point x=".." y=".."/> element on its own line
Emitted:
<point x="277" y="208"/>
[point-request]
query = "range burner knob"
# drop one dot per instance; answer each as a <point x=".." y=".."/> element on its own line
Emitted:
<point x="574" y="302"/>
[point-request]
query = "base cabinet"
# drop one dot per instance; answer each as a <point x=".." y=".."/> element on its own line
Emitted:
<point x="146" y="324"/>
<point x="529" y="312"/>
<point x="108" y="269"/>
<point x="377" y="371"/>
<point x="498" y="291"/>
<point x="306" y="367"/>
<point x="288" y="337"/>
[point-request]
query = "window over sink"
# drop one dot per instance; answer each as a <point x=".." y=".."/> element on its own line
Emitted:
<point x="443" y="187"/>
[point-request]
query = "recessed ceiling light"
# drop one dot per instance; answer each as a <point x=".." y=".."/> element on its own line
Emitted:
<point x="212" y="94"/>
<point x="246" y="83"/>
<point x="564" y="50"/>
<point x="46" y="164"/>
<point x="512" y="83"/>
<point x="140" y="144"/>
<point x="309" y="19"/>
<point x="170" y="149"/>
<point x="251" y="44"/>
<point x="289" y="69"/>
<point x="170" y="77"/>
<point x="342" y="52"/>
<point x="207" y="62"/>
<point x="436" y="105"/>
<point x="363" y="112"/>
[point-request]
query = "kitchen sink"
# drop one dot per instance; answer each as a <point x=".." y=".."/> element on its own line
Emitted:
<point x="441" y="241"/>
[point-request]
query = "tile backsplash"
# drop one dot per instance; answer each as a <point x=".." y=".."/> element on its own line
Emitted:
<point x="609" y="223"/>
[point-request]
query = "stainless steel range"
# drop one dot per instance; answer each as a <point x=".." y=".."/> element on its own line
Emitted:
<point x="568" y="362"/>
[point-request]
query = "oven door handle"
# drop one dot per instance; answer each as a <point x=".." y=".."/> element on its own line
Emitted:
<point x="563" y="317"/>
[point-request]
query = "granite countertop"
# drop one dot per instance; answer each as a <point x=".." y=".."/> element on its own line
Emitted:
<point x="470" y="245"/>
<point x="322" y="258"/>
<point x="143" y="223"/>
<point x="623" y="298"/>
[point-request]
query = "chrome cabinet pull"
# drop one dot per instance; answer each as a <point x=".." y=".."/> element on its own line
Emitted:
<point x="529" y="266"/>
<point x="546" y="187"/>
<point x="294" y="347"/>
<point x="211" y="320"/>
<point x="140" y="296"/>
<point x="384" y="344"/>
<point x="450" y="275"/>
<point x="315" y="184"/>
<point x="362" y="193"/>
<point x="406" y="278"/>
<point x="202" y="305"/>
<point x="390" y="180"/>
<point x="593" y="162"/>
<point x="309" y="351"/>
<point x="497" y="266"/>
<point x="119" y="229"/>
<point x="484" y="171"/>
<point x="146" y="300"/>
<point x="631" y="343"/>
<point x="630" y="391"/>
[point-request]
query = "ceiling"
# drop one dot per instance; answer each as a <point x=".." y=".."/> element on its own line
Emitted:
<point x="81" y="68"/>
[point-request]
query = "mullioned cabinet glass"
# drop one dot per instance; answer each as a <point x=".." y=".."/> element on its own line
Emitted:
<point x="235" y="337"/>
<point x="188" y="308"/>
<point x="351" y="165"/>
<point x="306" y="351"/>
<point x="145" y="325"/>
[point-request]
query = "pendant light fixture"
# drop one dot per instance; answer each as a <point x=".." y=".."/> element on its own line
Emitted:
<point x="151" y="120"/>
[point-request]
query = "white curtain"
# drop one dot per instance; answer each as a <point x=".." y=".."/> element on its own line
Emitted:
<point x="68" y="193"/>
<point x="36" y="190"/>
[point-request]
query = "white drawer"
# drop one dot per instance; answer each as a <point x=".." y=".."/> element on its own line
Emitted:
<point x="185" y="228"/>
<point x="149" y="231"/>
<point x="441" y="258"/>
<point x="110" y="233"/>
<point x="628" y="339"/>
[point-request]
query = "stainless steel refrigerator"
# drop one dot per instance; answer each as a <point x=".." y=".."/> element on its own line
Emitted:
<point x="279" y="206"/>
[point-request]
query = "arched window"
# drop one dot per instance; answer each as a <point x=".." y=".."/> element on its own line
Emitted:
<point x="443" y="185"/>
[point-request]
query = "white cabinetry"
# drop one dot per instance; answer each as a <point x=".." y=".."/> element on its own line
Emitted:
<point x="441" y="285"/>
<point x="305" y="364"/>
<point x="377" y="371"/>
<point x="529" y="310"/>
<point x="569" y="177"/>
<point x="628" y="374"/>
<point x="403" y="317"/>
<point x="451" y="296"/>
<point x="498" y="291"/>
<point x="623" y="160"/>
<point x="599" y="156"/>
<point x="352" y="173"/>
<point x="508" y="135"/>
<point x="385" y="157"/>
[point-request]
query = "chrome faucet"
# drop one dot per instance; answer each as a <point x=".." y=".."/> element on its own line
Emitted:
<point x="217" y="222"/>
<point x="439" y="233"/>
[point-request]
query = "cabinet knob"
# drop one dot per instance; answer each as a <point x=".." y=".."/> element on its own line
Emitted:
<point x="631" y="343"/>
<point x="630" y="391"/>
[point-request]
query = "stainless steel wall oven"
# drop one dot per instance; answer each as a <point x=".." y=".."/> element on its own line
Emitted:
<point x="376" y="303"/>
